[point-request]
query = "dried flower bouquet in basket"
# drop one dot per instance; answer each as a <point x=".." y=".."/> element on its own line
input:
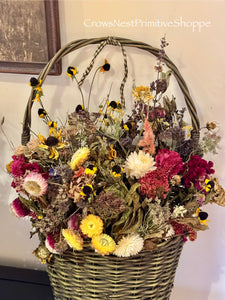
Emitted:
<point x="113" y="181"/>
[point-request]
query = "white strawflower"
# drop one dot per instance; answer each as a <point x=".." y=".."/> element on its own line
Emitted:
<point x="138" y="164"/>
<point x="179" y="211"/>
<point x="129" y="245"/>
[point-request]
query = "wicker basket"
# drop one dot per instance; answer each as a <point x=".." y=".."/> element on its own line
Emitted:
<point x="87" y="275"/>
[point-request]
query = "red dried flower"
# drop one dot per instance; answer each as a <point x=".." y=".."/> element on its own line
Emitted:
<point x="155" y="183"/>
<point x="178" y="228"/>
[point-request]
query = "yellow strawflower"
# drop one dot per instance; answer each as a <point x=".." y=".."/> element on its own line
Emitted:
<point x="73" y="239"/>
<point x="79" y="157"/>
<point x="103" y="243"/>
<point x="91" y="225"/>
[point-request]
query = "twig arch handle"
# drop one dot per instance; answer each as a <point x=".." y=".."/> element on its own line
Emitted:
<point x="122" y="43"/>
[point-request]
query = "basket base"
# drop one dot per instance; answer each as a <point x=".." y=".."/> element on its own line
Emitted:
<point x="86" y="275"/>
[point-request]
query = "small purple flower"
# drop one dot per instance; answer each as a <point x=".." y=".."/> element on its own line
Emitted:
<point x="200" y="199"/>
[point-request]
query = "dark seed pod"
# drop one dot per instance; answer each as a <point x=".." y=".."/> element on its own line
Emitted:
<point x="34" y="81"/>
<point x="79" y="108"/>
<point x="106" y="66"/>
<point x="42" y="113"/>
<point x="203" y="215"/>
<point x="113" y="104"/>
<point x="51" y="141"/>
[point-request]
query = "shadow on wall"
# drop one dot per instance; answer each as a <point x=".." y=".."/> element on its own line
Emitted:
<point x="183" y="293"/>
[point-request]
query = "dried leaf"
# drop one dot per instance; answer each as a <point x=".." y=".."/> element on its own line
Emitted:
<point x="149" y="245"/>
<point x="132" y="195"/>
<point x="29" y="204"/>
<point x="124" y="218"/>
<point x="134" y="227"/>
<point x="192" y="222"/>
<point x="191" y="205"/>
<point x="155" y="235"/>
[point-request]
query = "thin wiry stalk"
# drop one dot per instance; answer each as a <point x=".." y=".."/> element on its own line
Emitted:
<point x="89" y="96"/>
<point x="82" y="95"/>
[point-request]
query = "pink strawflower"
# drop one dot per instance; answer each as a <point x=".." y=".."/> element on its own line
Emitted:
<point x="19" y="209"/>
<point x="170" y="160"/>
<point x="155" y="183"/>
<point x="35" y="185"/>
<point x="148" y="142"/>
<point x="50" y="244"/>
<point x="73" y="222"/>
<point x="196" y="171"/>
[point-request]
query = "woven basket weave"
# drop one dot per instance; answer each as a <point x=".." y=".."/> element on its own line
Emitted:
<point x="87" y="275"/>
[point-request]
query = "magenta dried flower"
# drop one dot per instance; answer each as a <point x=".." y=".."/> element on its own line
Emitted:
<point x="74" y="221"/>
<point x="50" y="244"/>
<point x="170" y="160"/>
<point x="19" y="167"/>
<point x="196" y="170"/>
<point x="19" y="209"/>
<point x="16" y="167"/>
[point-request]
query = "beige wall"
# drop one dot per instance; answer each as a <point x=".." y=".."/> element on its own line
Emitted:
<point x="199" y="55"/>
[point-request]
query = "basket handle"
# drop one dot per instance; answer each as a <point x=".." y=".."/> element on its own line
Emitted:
<point x="117" y="41"/>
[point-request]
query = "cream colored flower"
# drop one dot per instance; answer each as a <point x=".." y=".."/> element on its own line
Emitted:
<point x="138" y="164"/>
<point x="79" y="157"/>
<point x="129" y="245"/>
<point x="179" y="211"/>
<point x="35" y="185"/>
<point x="169" y="231"/>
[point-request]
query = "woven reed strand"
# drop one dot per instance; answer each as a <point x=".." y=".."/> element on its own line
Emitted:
<point x="86" y="275"/>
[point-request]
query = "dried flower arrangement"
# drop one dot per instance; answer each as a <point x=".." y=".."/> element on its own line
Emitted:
<point x="116" y="182"/>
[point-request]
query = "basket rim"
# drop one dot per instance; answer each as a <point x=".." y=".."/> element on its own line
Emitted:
<point x="175" y="240"/>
